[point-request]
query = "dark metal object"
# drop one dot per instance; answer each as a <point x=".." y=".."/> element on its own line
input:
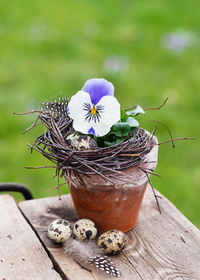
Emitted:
<point x="15" y="187"/>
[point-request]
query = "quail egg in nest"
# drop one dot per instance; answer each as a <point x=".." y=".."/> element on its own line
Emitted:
<point x="85" y="229"/>
<point x="80" y="142"/>
<point x="59" y="230"/>
<point x="112" y="241"/>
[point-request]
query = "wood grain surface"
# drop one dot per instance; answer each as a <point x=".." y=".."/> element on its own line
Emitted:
<point x="22" y="257"/>
<point x="161" y="246"/>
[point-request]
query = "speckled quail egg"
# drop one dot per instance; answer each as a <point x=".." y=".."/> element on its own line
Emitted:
<point x="80" y="142"/>
<point x="85" y="229"/>
<point x="59" y="230"/>
<point x="112" y="241"/>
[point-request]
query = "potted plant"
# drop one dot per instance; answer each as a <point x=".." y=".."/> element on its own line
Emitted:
<point x="102" y="152"/>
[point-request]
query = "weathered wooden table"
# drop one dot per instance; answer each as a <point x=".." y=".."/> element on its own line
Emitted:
<point x="165" y="246"/>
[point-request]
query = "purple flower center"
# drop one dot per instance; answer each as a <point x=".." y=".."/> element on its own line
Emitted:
<point x="93" y="113"/>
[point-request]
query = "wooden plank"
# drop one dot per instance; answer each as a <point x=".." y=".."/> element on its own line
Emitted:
<point x="41" y="213"/>
<point x="22" y="257"/>
<point x="161" y="246"/>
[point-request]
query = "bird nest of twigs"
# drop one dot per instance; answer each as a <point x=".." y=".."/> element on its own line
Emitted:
<point x="105" y="162"/>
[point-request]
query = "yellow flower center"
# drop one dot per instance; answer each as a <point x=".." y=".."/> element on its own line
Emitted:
<point x="93" y="110"/>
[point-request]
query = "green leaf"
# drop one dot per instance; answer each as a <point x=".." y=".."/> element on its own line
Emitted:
<point x="119" y="140"/>
<point x="132" y="122"/>
<point x="121" y="129"/>
<point x="108" y="144"/>
<point x="118" y="131"/>
<point x="136" y="111"/>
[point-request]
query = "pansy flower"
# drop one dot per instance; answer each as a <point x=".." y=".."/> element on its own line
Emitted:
<point x="94" y="109"/>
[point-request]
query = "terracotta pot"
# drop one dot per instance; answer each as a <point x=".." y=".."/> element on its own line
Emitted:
<point x="109" y="206"/>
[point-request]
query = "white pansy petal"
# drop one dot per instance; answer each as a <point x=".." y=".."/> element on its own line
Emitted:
<point x="97" y="129"/>
<point x="81" y="125"/>
<point x="91" y="127"/>
<point x="109" y="115"/>
<point x="100" y="128"/>
<point x="76" y="103"/>
<point x="84" y="121"/>
<point x="111" y="111"/>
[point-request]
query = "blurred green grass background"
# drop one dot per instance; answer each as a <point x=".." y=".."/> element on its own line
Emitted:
<point x="149" y="50"/>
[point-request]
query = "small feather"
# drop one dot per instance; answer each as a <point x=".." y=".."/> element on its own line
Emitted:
<point x="56" y="108"/>
<point x="89" y="253"/>
<point x="81" y="251"/>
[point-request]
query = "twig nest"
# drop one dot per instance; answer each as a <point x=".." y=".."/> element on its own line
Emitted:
<point x="80" y="142"/>
<point x="112" y="241"/>
<point x="85" y="229"/>
<point x="59" y="230"/>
